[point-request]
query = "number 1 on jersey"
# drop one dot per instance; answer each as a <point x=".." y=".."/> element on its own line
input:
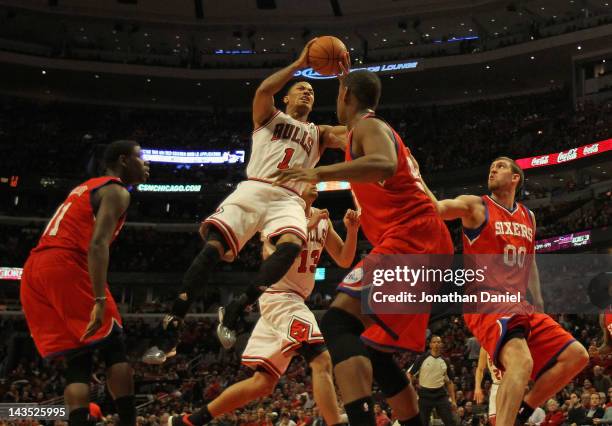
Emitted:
<point x="54" y="223"/>
<point x="285" y="163"/>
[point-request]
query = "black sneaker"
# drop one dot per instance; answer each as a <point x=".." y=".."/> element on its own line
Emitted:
<point x="166" y="343"/>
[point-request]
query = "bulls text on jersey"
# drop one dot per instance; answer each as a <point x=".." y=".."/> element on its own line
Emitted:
<point x="293" y="133"/>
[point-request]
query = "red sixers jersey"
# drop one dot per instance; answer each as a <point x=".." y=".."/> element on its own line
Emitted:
<point x="608" y="321"/>
<point x="71" y="227"/>
<point x="387" y="206"/>
<point x="510" y="233"/>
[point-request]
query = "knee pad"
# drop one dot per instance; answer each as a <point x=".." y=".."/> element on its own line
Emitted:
<point x="311" y="350"/>
<point x="342" y="333"/>
<point x="390" y="378"/>
<point x="79" y="367"/>
<point x="113" y="351"/>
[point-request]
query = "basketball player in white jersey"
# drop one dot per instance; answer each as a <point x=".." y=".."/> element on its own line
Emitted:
<point x="287" y="327"/>
<point x="484" y="361"/>
<point x="280" y="140"/>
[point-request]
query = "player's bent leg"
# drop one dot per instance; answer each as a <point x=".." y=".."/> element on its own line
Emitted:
<point x="76" y="393"/>
<point x="120" y="379"/>
<point x="288" y="248"/>
<point x="352" y="366"/>
<point x="121" y="387"/>
<point x="516" y="360"/>
<point x="394" y="384"/>
<point x="323" y="383"/>
<point x="196" y="277"/>
<point x="194" y="281"/>
<point x="259" y="385"/>
<point x="569" y="363"/>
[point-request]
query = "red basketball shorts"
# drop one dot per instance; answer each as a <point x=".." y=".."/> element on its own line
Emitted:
<point x="400" y="332"/>
<point x="547" y="339"/>
<point x="57" y="298"/>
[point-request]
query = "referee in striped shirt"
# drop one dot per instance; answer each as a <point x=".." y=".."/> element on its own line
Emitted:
<point x="435" y="388"/>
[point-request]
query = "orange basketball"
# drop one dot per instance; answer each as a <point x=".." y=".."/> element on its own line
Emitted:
<point x="325" y="53"/>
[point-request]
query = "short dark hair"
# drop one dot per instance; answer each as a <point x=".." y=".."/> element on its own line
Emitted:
<point x="295" y="83"/>
<point x="116" y="149"/>
<point x="365" y="86"/>
<point x="515" y="169"/>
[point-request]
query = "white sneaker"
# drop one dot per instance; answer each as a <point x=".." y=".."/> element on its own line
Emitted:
<point x="154" y="356"/>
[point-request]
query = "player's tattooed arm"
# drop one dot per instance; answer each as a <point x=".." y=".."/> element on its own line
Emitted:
<point x="343" y="252"/>
<point x="263" y="102"/>
<point x="113" y="202"/>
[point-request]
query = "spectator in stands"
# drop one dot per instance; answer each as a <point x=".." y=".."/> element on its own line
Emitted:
<point x="381" y="416"/>
<point x="285" y="420"/>
<point x="472" y="349"/>
<point x="554" y="416"/>
<point x="595" y="410"/>
<point x="601" y="382"/>
<point x="537" y="417"/>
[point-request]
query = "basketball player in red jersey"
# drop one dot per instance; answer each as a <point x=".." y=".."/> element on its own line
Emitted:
<point x="397" y="217"/>
<point x="280" y="140"/>
<point x="64" y="294"/>
<point x="525" y="345"/>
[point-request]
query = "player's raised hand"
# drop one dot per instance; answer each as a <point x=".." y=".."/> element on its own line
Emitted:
<point x="296" y="174"/>
<point x="95" y="321"/>
<point x="345" y="67"/>
<point x="351" y="220"/>
<point x="317" y="216"/>
<point x="302" y="60"/>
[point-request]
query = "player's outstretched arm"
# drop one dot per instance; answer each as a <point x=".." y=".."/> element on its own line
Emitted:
<point x="113" y="202"/>
<point x="378" y="160"/>
<point x="343" y="252"/>
<point x="461" y="207"/>
<point x="333" y="137"/>
<point x="478" y="374"/>
<point x="263" y="102"/>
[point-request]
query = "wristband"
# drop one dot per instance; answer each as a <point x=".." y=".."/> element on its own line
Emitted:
<point x="100" y="299"/>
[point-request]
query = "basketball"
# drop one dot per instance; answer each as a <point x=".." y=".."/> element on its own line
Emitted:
<point x="325" y="53"/>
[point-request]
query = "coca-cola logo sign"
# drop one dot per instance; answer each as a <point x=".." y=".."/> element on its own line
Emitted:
<point x="572" y="154"/>
<point x="539" y="161"/>
<point x="591" y="149"/>
<point x="564" y="156"/>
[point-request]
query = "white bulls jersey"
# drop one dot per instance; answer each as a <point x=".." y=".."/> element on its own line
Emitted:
<point x="281" y="143"/>
<point x="301" y="277"/>
<point x="496" y="374"/>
